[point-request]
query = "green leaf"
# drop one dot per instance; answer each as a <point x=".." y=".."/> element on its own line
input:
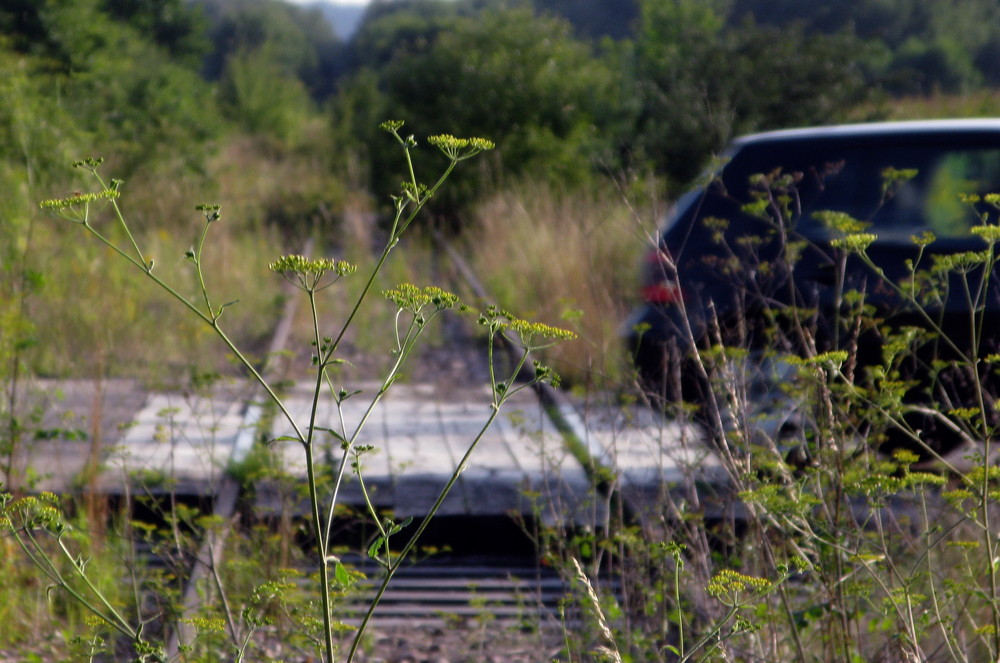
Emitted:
<point x="396" y="527"/>
<point x="376" y="547"/>
<point x="284" y="438"/>
<point x="342" y="576"/>
<point x="331" y="432"/>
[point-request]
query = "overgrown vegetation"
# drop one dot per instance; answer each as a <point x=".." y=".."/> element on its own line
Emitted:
<point x="259" y="103"/>
<point x="799" y="534"/>
<point x="39" y="525"/>
<point x="601" y="113"/>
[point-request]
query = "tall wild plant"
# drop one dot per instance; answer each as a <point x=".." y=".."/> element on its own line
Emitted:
<point x="837" y="533"/>
<point x="32" y="520"/>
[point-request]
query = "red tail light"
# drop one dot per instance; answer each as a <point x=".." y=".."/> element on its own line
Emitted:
<point x="659" y="282"/>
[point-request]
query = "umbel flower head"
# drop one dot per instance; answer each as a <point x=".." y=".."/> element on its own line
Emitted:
<point x="409" y="297"/>
<point x="77" y="206"/>
<point x="500" y="321"/>
<point x="458" y="149"/>
<point x="309" y="272"/>
<point x="79" y="199"/>
<point x="731" y="587"/>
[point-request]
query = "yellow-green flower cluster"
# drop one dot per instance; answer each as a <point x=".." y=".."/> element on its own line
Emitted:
<point x="957" y="497"/>
<point x="925" y="238"/>
<point x="301" y="265"/>
<point x="964" y="261"/>
<point x="309" y="271"/>
<point x="414" y="192"/>
<point x="973" y="198"/>
<point x="779" y="500"/>
<point x="39" y="512"/>
<point x="989" y="234"/>
<point x="905" y="457"/>
<point x="207" y="624"/>
<point x="895" y="176"/>
<point x="835" y="358"/>
<point x="211" y="211"/>
<point x="841" y="222"/>
<point x="727" y="585"/>
<point x="867" y="558"/>
<point x="391" y="126"/>
<point x="78" y="199"/>
<point x="500" y="321"/>
<point x="409" y="297"/>
<point x="95" y="622"/>
<point x="856" y="242"/>
<point x="458" y="149"/>
<point x="530" y="330"/>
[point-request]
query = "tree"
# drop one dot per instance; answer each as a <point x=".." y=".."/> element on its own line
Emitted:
<point x="509" y="74"/>
<point x="177" y="26"/>
<point x="699" y="81"/>
<point x="124" y="89"/>
<point x="297" y="43"/>
<point x="923" y="47"/>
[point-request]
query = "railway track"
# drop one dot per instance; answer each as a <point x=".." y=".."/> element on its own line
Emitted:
<point x="500" y="589"/>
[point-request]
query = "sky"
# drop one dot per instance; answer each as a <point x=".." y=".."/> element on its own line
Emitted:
<point x="338" y="2"/>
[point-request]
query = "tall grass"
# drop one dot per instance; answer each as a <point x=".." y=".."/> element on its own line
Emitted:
<point x="91" y="319"/>
<point x="568" y="257"/>
<point x="982" y="103"/>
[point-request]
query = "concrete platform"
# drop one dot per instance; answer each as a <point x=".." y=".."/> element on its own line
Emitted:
<point x="418" y="433"/>
<point x="176" y="442"/>
<point x="67" y="426"/>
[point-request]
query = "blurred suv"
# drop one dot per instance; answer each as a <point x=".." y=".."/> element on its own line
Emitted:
<point x="751" y="259"/>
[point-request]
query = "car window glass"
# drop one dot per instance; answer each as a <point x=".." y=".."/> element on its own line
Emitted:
<point x="849" y="179"/>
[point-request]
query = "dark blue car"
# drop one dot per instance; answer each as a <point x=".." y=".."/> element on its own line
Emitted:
<point x="755" y="259"/>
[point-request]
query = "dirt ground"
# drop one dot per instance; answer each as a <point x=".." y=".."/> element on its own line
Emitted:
<point x="469" y="642"/>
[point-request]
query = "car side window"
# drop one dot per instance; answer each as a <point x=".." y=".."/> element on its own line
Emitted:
<point x="955" y="174"/>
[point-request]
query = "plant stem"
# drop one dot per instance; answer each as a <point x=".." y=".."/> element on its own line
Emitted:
<point x="452" y="480"/>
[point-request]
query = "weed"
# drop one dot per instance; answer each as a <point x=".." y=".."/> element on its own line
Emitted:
<point x="819" y="542"/>
<point x="278" y="600"/>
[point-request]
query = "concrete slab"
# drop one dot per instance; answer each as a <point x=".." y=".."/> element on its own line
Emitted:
<point x="418" y="439"/>
<point x="658" y="464"/>
<point x="177" y="442"/>
<point x="418" y="434"/>
<point x="641" y="446"/>
<point x="65" y="427"/>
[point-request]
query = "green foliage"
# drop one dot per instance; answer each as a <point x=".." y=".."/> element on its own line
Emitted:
<point x="921" y="47"/>
<point x="175" y="25"/>
<point x="852" y="550"/>
<point x="294" y="43"/>
<point x="597" y="18"/>
<point x="99" y="214"/>
<point x="262" y="98"/>
<point x="91" y="57"/>
<point x="560" y="108"/>
<point x="700" y="81"/>
<point x="508" y="74"/>
<point x="128" y="75"/>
